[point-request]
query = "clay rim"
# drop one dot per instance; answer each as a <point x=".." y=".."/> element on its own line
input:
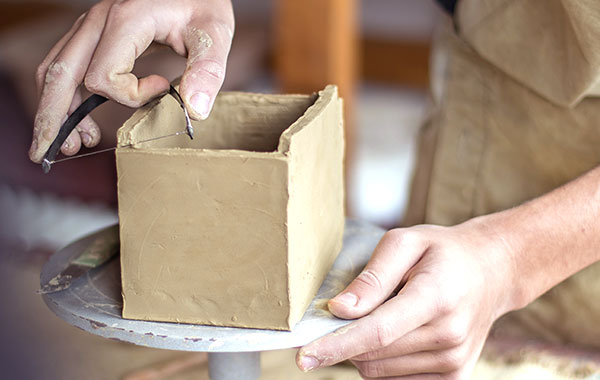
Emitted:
<point x="322" y="98"/>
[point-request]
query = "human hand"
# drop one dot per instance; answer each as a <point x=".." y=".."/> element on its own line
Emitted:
<point x="100" y="51"/>
<point x="455" y="283"/>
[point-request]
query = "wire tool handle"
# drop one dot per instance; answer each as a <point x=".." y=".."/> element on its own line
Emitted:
<point x="82" y="111"/>
<point x="65" y="130"/>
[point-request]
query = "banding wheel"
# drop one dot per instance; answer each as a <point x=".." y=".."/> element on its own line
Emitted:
<point x="93" y="303"/>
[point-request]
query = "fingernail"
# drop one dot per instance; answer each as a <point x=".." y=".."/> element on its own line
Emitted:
<point x="87" y="139"/>
<point x="200" y="102"/>
<point x="66" y="145"/>
<point x="348" y="299"/>
<point x="308" y="363"/>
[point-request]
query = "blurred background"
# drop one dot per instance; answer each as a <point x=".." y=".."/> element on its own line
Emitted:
<point x="376" y="51"/>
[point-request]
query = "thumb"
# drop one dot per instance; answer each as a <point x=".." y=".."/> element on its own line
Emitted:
<point x="208" y="47"/>
<point x="397" y="252"/>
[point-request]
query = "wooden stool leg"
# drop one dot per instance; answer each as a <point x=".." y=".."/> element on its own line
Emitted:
<point x="316" y="45"/>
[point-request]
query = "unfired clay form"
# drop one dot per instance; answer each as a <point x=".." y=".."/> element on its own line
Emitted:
<point x="239" y="226"/>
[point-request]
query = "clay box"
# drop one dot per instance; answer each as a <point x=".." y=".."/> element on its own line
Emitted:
<point x="239" y="226"/>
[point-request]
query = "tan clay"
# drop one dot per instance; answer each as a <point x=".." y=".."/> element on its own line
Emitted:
<point x="239" y="226"/>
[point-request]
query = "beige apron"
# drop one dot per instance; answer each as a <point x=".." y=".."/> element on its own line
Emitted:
<point x="515" y="116"/>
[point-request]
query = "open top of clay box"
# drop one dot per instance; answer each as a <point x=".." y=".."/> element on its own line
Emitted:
<point x="238" y="121"/>
<point x="239" y="226"/>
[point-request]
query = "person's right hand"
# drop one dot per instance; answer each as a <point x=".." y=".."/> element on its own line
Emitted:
<point x="100" y="51"/>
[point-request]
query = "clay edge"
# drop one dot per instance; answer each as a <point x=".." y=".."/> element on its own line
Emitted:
<point x="323" y="98"/>
<point x="124" y="134"/>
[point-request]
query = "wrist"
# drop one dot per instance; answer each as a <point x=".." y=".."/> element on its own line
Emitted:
<point x="500" y="245"/>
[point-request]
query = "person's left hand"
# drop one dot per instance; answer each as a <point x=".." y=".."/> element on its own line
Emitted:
<point x="455" y="282"/>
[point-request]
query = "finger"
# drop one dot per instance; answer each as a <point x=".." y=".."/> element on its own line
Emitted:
<point x="72" y="144"/>
<point x="122" y="42"/>
<point x="424" y="338"/>
<point x="42" y="69"/>
<point x="410" y="309"/>
<point x="86" y="132"/>
<point x="396" y="253"/>
<point x="82" y="132"/>
<point x="89" y="131"/>
<point x="462" y="372"/>
<point x="208" y="45"/>
<point x="63" y="77"/>
<point x="443" y="361"/>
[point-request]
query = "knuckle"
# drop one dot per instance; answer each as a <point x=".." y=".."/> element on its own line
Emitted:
<point x="224" y="27"/>
<point x="456" y="333"/>
<point x="367" y="356"/>
<point x="447" y="301"/>
<point x="402" y="237"/>
<point x="444" y="306"/>
<point x="213" y="69"/>
<point x="97" y="14"/>
<point x="370" y="369"/>
<point x="371" y="279"/>
<point x="452" y="360"/>
<point x="97" y="10"/>
<point x="121" y="10"/>
<point x="95" y="82"/>
<point x="384" y="333"/>
<point x="57" y="72"/>
<point x="449" y="362"/>
<point x="453" y="338"/>
<point x="396" y="235"/>
<point x="229" y="28"/>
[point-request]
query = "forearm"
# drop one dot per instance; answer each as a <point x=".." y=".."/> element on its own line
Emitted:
<point x="549" y="238"/>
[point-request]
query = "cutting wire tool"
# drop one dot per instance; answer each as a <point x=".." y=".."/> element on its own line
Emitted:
<point x="83" y="110"/>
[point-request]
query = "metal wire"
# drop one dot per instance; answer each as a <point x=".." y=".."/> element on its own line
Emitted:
<point x="115" y="147"/>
